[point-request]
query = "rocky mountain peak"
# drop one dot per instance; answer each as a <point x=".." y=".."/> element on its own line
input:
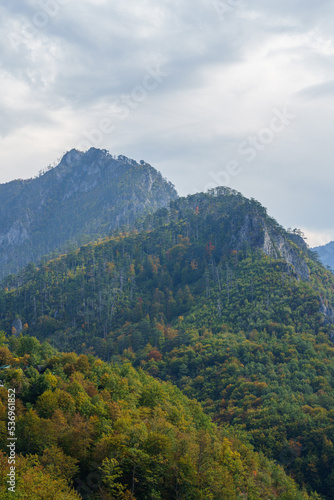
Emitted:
<point x="85" y="197"/>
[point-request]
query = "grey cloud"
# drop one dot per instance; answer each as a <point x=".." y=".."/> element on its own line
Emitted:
<point x="321" y="90"/>
<point x="224" y="77"/>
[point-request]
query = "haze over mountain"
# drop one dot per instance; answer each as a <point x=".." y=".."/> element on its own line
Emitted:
<point x="326" y="254"/>
<point x="85" y="197"/>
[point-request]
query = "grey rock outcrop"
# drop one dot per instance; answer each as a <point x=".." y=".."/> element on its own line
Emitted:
<point x="276" y="245"/>
<point x="86" y="197"/>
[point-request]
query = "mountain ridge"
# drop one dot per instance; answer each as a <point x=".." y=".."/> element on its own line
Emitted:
<point x="212" y="294"/>
<point x="85" y="197"/>
<point x="326" y="254"/>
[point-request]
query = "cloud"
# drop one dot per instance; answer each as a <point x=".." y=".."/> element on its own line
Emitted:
<point x="318" y="238"/>
<point x="319" y="91"/>
<point x="70" y="67"/>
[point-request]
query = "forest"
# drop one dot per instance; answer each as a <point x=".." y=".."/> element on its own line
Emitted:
<point x="210" y="297"/>
<point x="88" y="429"/>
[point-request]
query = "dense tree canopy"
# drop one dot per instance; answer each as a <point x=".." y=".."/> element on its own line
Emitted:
<point x="213" y="296"/>
<point x="87" y="429"/>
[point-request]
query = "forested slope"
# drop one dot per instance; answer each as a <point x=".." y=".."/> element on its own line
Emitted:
<point x="87" y="429"/>
<point x="216" y="297"/>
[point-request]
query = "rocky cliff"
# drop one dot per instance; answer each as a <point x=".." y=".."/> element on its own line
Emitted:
<point x="85" y="197"/>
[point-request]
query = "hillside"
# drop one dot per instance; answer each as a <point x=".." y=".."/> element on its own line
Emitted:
<point x="326" y="254"/>
<point x="85" y="197"/>
<point x="111" y="432"/>
<point x="216" y="297"/>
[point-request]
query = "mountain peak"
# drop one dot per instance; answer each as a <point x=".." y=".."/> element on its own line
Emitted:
<point x="85" y="197"/>
<point x="95" y="156"/>
<point x="326" y="254"/>
<point x="71" y="157"/>
<point x="247" y="224"/>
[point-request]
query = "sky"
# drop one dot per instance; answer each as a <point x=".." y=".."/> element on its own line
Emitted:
<point x="208" y="92"/>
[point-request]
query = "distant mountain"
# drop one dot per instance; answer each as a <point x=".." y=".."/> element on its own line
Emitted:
<point x="326" y="254"/>
<point x="85" y="197"/>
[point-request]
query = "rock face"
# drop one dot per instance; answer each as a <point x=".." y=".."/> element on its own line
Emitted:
<point x="261" y="232"/>
<point x="277" y="244"/>
<point x="327" y="312"/>
<point x="85" y="197"/>
<point x="17" y="326"/>
<point x="239" y="223"/>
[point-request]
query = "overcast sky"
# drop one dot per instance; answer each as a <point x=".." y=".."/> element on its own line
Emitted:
<point x="209" y="92"/>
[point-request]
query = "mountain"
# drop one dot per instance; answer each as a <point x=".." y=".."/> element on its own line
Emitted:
<point x="216" y="297"/>
<point x="85" y="197"/>
<point x="326" y="254"/>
